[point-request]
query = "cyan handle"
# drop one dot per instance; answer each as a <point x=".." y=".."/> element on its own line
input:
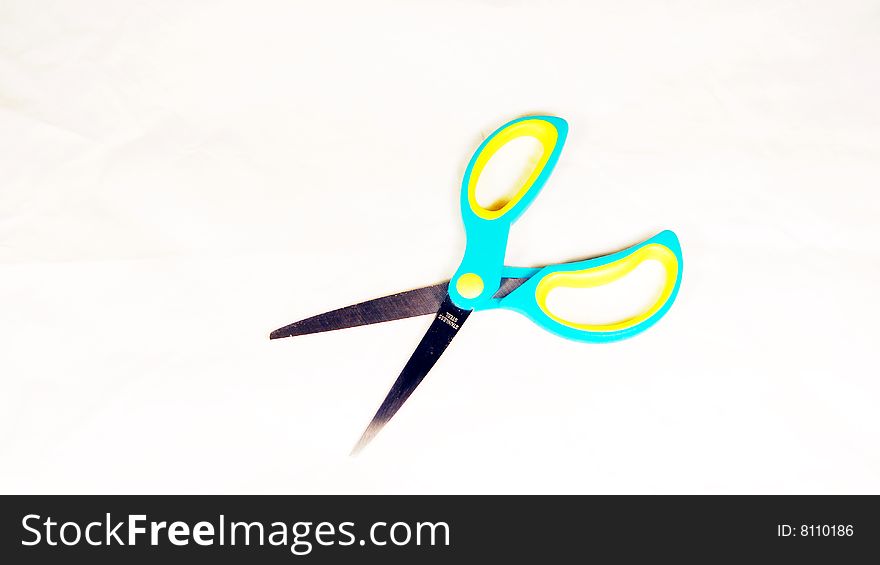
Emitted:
<point x="479" y="275"/>
<point x="530" y="299"/>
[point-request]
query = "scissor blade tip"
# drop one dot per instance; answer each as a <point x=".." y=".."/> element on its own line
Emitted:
<point x="356" y="450"/>
<point x="277" y="334"/>
<point x="365" y="438"/>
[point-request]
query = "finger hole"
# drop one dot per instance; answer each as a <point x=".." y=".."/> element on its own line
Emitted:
<point x="576" y="300"/>
<point x="507" y="171"/>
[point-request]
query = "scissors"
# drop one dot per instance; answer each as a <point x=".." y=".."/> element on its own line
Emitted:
<point x="483" y="282"/>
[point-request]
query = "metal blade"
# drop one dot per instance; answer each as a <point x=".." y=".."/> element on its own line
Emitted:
<point x="444" y="327"/>
<point x="508" y="286"/>
<point x="418" y="302"/>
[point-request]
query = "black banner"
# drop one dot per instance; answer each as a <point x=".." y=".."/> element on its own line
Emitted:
<point x="435" y="529"/>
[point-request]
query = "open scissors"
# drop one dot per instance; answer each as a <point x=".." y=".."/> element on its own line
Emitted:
<point x="483" y="282"/>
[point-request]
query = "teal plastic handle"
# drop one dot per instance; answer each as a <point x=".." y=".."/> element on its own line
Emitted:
<point x="530" y="299"/>
<point x="479" y="275"/>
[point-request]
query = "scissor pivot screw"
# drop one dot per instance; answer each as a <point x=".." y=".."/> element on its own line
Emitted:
<point x="469" y="285"/>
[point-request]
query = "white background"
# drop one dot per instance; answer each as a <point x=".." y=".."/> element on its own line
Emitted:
<point x="179" y="178"/>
